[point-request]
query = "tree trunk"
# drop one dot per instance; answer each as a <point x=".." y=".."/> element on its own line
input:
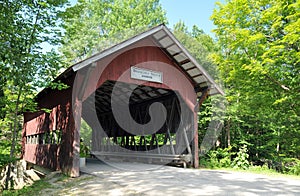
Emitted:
<point x="15" y="129"/>
<point x="228" y="133"/>
<point x="278" y="145"/>
<point x="14" y="138"/>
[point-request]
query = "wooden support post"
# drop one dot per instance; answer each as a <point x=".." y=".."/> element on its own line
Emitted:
<point x="123" y="141"/>
<point x="76" y="141"/>
<point x="187" y="140"/>
<point x="145" y="144"/>
<point x="134" y="142"/>
<point x="141" y="142"/>
<point x="165" y="138"/>
<point x="75" y="123"/>
<point x="157" y="144"/>
<point x="115" y="139"/>
<point x="152" y="141"/>
<point x="201" y="99"/>
<point x="194" y="120"/>
<point x="127" y="141"/>
<point x="168" y="125"/>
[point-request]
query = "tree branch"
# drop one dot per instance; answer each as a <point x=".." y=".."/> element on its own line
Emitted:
<point x="31" y="37"/>
<point x="278" y="83"/>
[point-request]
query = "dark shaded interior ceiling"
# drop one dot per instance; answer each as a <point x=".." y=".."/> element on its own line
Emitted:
<point x="141" y="97"/>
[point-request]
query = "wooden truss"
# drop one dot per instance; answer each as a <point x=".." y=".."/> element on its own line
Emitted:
<point x="170" y="144"/>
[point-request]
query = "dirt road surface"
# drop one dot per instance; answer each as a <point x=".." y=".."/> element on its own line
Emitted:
<point x="144" y="179"/>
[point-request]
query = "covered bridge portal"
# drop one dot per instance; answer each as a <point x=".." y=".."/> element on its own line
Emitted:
<point x="139" y="97"/>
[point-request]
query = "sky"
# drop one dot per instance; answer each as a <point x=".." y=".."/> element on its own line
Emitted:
<point x="191" y="12"/>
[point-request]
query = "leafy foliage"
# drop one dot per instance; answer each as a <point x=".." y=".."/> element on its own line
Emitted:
<point x="85" y="139"/>
<point x="241" y="160"/>
<point x="199" y="44"/>
<point x="256" y="56"/>
<point x="291" y="166"/>
<point x="259" y="64"/>
<point x="92" y="26"/>
<point x="24" y="67"/>
<point x="221" y="157"/>
<point x="4" y="153"/>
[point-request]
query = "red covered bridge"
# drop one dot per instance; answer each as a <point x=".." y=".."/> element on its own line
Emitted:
<point x="139" y="97"/>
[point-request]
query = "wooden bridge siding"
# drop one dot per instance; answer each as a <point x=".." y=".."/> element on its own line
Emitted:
<point x="62" y="156"/>
<point x="137" y="55"/>
<point x="54" y="156"/>
<point x="115" y="67"/>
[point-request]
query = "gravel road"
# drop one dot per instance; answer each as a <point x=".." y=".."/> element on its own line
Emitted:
<point x="118" y="179"/>
<point x="145" y="179"/>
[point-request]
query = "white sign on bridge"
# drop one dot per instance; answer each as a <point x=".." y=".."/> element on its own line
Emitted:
<point x="146" y="74"/>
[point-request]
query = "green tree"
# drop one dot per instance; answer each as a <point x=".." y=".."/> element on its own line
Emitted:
<point x="202" y="47"/>
<point x="259" y="63"/>
<point x="24" y="67"/>
<point x="199" y="44"/>
<point x="91" y="26"/>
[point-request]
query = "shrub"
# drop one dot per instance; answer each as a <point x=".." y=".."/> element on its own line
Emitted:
<point x="291" y="166"/>
<point x="217" y="158"/>
<point x="241" y="160"/>
<point x="4" y="153"/>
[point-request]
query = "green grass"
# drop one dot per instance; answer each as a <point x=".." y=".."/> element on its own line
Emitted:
<point x="261" y="170"/>
<point x="34" y="189"/>
<point x="63" y="182"/>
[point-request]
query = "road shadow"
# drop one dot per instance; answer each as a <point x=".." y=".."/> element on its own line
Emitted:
<point x="145" y="179"/>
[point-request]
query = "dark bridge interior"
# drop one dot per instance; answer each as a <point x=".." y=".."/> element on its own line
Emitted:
<point x="171" y="143"/>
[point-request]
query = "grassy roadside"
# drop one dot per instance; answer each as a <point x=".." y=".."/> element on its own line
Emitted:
<point x="57" y="185"/>
<point x="258" y="170"/>
<point x="34" y="189"/>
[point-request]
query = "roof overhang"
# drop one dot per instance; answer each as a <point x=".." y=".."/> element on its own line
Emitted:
<point x="168" y="42"/>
